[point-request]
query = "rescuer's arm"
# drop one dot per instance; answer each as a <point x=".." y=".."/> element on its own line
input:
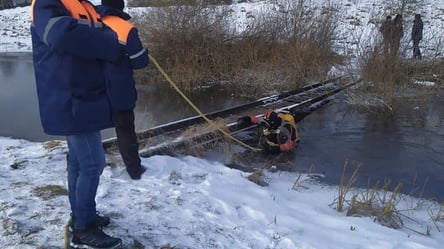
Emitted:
<point x="136" y="52"/>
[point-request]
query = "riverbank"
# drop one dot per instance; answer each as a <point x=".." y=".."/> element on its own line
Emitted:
<point x="187" y="202"/>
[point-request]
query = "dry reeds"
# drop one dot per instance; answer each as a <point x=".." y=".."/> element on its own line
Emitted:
<point x="200" y="138"/>
<point x="345" y="186"/>
<point x="277" y="49"/>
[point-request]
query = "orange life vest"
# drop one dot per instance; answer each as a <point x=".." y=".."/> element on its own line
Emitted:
<point x="79" y="10"/>
<point x="120" y="26"/>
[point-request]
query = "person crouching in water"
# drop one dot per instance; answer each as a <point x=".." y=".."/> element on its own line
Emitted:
<point x="280" y="132"/>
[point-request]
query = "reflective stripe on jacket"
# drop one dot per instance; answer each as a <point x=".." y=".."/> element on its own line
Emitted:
<point x="119" y="76"/>
<point x="70" y="46"/>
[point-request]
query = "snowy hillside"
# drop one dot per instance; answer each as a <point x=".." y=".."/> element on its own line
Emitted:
<point x="359" y="21"/>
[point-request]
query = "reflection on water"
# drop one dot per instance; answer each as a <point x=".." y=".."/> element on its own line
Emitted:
<point x="18" y="99"/>
<point x="156" y="104"/>
<point x="162" y="104"/>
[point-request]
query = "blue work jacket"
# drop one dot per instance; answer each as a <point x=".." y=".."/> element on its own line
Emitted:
<point x="70" y="46"/>
<point x="119" y="76"/>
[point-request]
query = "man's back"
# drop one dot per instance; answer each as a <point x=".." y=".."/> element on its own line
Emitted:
<point x="69" y="50"/>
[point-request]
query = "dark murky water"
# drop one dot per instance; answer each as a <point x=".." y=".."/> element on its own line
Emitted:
<point x="405" y="146"/>
<point x="156" y="104"/>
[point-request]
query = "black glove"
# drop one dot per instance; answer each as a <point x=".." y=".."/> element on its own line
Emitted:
<point x="245" y="120"/>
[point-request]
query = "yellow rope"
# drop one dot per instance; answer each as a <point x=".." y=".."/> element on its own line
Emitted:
<point x="195" y="107"/>
<point x="66" y="234"/>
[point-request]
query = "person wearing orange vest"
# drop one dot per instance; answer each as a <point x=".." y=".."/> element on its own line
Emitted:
<point x="279" y="130"/>
<point x="121" y="84"/>
<point x="70" y="46"/>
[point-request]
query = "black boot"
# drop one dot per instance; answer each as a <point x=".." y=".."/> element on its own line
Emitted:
<point x="92" y="237"/>
<point x="135" y="172"/>
<point x="100" y="221"/>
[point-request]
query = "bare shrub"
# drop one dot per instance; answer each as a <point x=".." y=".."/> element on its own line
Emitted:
<point x="383" y="71"/>
<point x="288" y="45"/>
<point x="388" y="77"/>
<point x="185" y="39"/>
<point x="277" y="49"/>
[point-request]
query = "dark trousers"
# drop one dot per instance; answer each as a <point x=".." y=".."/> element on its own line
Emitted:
<point x="127" y="139"/>
<point x="416" y="50"/>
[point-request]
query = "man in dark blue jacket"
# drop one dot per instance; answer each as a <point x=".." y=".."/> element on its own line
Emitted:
<point x="70" y="47"/>
<point x="417" y="29"/>
<point x="121" y="85"/>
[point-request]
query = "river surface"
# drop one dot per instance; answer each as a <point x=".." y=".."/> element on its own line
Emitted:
<point x="404" y="146"/>
<point x="156" y="104"/>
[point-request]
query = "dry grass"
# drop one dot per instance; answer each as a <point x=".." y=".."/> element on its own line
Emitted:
<point x="345" y="186"/>
<point x="202" y="137"/>
<point x="49" y="191"/>
<point x="425" y="70"/>
<point x="258" y="178"/>
<point x="52" y="144"/>
<point x="377" y="201"/>
<point x="198" y="45"/>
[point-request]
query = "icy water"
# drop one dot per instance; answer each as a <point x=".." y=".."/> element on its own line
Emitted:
<point x="156" y="104"/>
<point x="404" y="146"/>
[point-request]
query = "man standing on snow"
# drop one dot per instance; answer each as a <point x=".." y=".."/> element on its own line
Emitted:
<point x="121" y="84"/>
<point x="397" y="34"/>
<point x="386" y="30"/>
<point x="417" y="36"/>
<point x="70" y="46"/>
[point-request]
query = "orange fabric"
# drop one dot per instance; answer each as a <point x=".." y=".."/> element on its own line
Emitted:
<point x="81" y="10"/>
<point x="289" y="145"/>
<point x="118" y="25"/>
<point x="91" y="11"/>
<point x="268" y="113"/>
<point x="77" y="9"/>
<point x="254" y="119"/>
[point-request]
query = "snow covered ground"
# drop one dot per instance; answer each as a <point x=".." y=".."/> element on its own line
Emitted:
<point x="358" y="25"/>
<point x="193" y="203"/>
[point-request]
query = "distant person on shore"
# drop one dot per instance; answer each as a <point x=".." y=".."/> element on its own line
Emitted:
<point x="417" y="36"/>
<point x="121" y="86"/>
<point x="279" y="131"/>
<point x="397" y="34"/>
<point x="386" y="30"/>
